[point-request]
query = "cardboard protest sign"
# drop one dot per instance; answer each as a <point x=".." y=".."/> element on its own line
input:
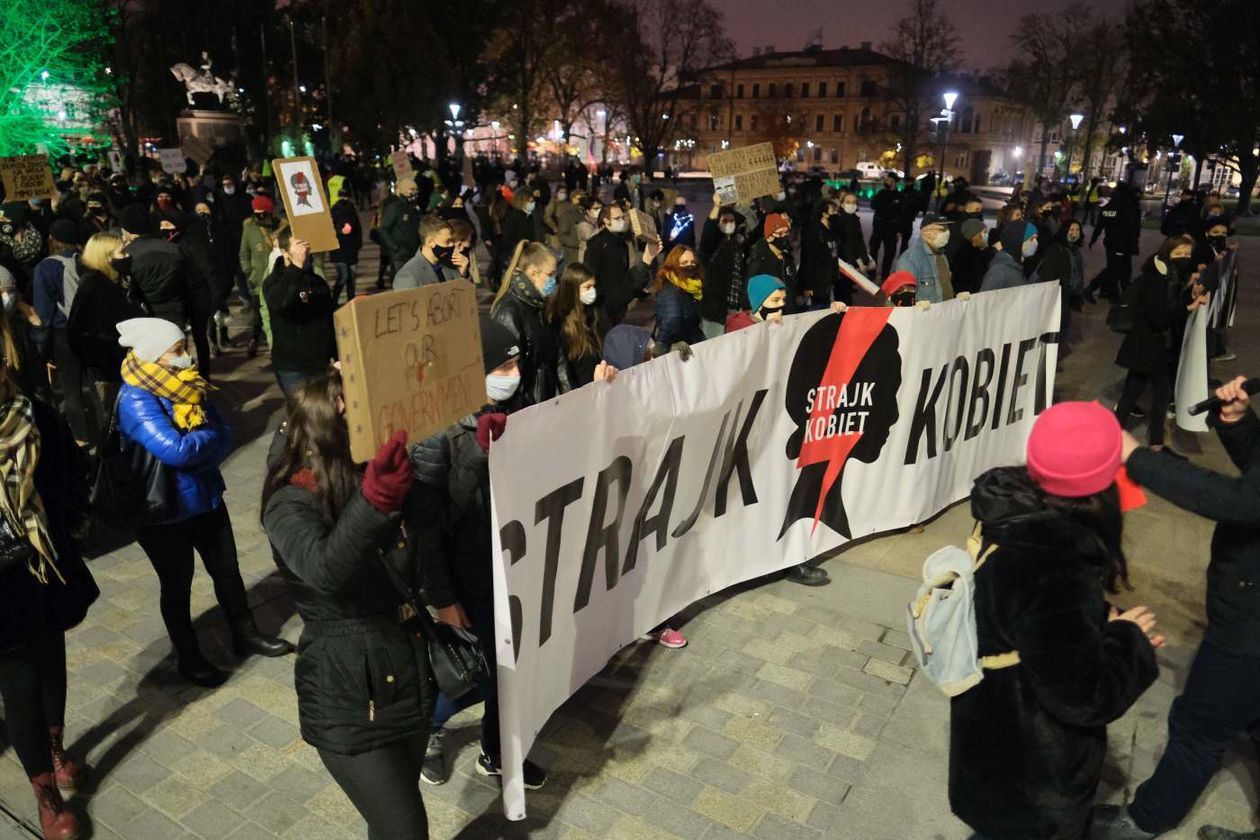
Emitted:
<point x="172" y="160"/>
<point x="745" y="173"/>
<point x="402" y="163"/>
<point x="303" y="193"/>
<point x="115" y="160"/>
<point x="410" y="359"/>
<point x="26" y="176"/>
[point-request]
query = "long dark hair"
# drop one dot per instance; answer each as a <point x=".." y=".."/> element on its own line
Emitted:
<point x="318" y="440"/>
<point x="1100" y="515"/>
<point x="581" y="333"/>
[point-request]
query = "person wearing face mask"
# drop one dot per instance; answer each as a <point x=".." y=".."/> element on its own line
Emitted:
<point x="772" y="255"/>
<point x="628" y="192"/>
<point x="767" y="298"/>
<point x="899" y="290"/>
<point x="345" y="259"/>
<point x="192" y="237"/>
<point x="722" y="255"/>
<point x="679" y="287"/>
<point x="679" y="226"/>
<point x="971" y="261"/>
<point x="580" y="323"/>
<point x="163" y="407"/>
<point x="1182" y="218"/>
<point x="1120" y="225"/>
<point x="518" y="224"/>
<point x="925" y="259"/>
<point x="654" y="206"/>
<point x="1158" y="303"/>
<point x="23" y="323"/>
<point x="458" y="583"/>
<point x="848" y="227"/>
<point x="229" y="211"/>
<point x="21" y="243"/>
<point x="431" y="264"/>
<point x="521" y="306"/>
<point x="588" y="225"/>
<point x="1048" y="222"/>
<point x="259" y="236"/>
<point x="301" y="307"/>
<point x="562" y="217"/>
<point x="399" y="229"/>
<point x="1006" y="270"/>
<point x="97" y="218"/>
<point x="1065" y="264"/>
<point x="53" y="290"/>
<point x="820" y="247"/>
<point x="620" y="272"/>
<point x="1213" y="247"/>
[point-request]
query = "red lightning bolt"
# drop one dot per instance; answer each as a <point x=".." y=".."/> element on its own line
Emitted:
<point x="858" y="329"/>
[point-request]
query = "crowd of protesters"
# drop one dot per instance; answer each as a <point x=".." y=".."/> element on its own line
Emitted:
<point x="119" y="293"/>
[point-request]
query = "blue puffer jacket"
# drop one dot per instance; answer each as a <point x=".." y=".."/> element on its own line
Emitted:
<point x="195" y="456"/>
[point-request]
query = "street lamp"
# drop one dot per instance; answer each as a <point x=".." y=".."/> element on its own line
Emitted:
<point x="456" y="126"/>
<point x="1076" y="123"/>
<point x="1172" y="159"/>
<point x="947" y="114"/>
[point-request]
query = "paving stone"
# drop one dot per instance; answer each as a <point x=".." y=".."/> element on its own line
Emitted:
<point x="238" y="788"/>
<point x="211" y="820"/>
<point x="868" y="725"/>
<point x="775" y="827"/>
<point x="672" y="785"/>
<point x="586" y="814"/>
<point x="150" y="823"/>
<point x="891" y="673"/>
<point x="241" y="713"/>
<point x="115" y="807"/>
<point x="707" y="716"/>
<point x="710" y="743"/>
<point x="897" y="639"/>
<point x="732" y="811"/>
<point x="720" y="775"/>
<point x="138" y="773"/>
<point x="819" y="786"/>
<point x="274" y="732"/>
<point x="793" y="722"/>
<point x="299" y="784"/>
<point x="825" y="815"/>
<point x="804" y="751"/>
<point x="275" y="813"/>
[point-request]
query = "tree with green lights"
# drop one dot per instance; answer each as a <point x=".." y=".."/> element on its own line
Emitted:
<point x="49" y="42"/>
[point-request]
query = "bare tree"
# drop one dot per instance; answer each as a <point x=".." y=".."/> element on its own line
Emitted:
<point x="1102" y="58"/>
<point x="1045" y="76"/>
<point x="519" y="51"/>
<point x="925" y="43"/>
<point x="662" y="46"/>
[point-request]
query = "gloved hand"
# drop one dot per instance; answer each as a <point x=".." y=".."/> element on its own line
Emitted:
<point x="925" y="305"/>
<point x="682" y="348"/>
<point x="389" y="476"/>
<point x="490" y="428"/>
<point x="963" y="296"/>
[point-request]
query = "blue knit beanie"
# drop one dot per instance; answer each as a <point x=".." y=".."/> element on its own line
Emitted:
<point x="760" y="287"/>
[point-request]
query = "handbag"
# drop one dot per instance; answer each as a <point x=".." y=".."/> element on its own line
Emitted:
<point x="455" y="655"/>
<point x="15" y="549"/>
<point x="128" y="483"/>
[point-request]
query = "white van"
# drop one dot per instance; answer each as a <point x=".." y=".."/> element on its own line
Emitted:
<point x="870" y="169"/>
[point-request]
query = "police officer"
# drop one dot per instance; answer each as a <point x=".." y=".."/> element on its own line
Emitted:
<point x="1120" y="225"/>
<point x="889" y="207"/>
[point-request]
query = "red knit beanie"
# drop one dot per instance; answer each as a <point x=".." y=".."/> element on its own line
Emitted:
<point x="262" y="204"/>
<point x="773" y="222"/>
<point x="1074" y="449"/>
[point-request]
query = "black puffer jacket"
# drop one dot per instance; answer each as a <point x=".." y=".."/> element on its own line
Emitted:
<point x="1159" y="308"/>
<point x="1027" y="744"/>
<point x="544" y="370"/>
<point x="363" y="680"/>
<point x="159" y="272"/>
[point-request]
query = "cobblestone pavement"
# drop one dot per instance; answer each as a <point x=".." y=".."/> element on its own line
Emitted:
<point x="792" y="714"/>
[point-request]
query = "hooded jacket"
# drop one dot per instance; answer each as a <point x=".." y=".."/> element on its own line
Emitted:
<point x="1006" y="269"/>
<point x="1157" y="308"/>
<point x="1027" y="744"/>
<point x="544" y="370"/>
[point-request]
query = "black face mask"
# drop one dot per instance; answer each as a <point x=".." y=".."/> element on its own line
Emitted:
<point x="265" y="221"/>
<point x="903" y="299"/>
<point x="766" y="311"/>
<point x="1218" y="242"/>
<point x="1184" y="266"/>
<point x="443" y="252"/>
<point x="99" y="212"/>
<point x="121" y="264"/>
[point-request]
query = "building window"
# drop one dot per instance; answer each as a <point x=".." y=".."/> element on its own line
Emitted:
<point x="714" y="123"/>
<point x="835" y="155"/>
<point x="818" y="154"/>
<point x="864" y="119"/>
<point x="837" y="123"/>
<point x="967" y="115"/>
<point x="752" y="122"/>
<point x="756" y="90"/>
<point x="715" y="91"/>
<point x="739" y="122"/>
<point x="819" y="122"/>
<point x="805" y="90"/>
<point x="975" y="125"/>
<point x="771" y="90"/>
<point x="894" y="122"/>
<point x="839" y="89"/>
<point x="787" y="90"/>
<point x="822" y="89"/>
<point x="739" y="91"/>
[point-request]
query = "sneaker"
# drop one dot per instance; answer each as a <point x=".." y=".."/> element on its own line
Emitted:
<point x="670" y="638"/>
<point x="434" y="771"/>
<point x="1112" y="822"/>
<point x="535" y="776"/>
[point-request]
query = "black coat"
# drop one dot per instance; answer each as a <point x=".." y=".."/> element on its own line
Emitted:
<point x="363" y="680"/>
<point x="1158" y="307"/>
<point x="819" y="249"/>
<point x="763" y="260"/>
<point x="544" y="370"/>
<point x="1027" y="744"/>
<point x="1233" y="577"/>
<point x="30" y="610"/>
<point x="348" y="244"/>
<point x="92" y="329"/>
<point x="617" y="281"/>
<point x="889" y="207"/>
<point x="301" y="307"/>
<point x="160" y="274"/>
<point x="517" y="227"/>
<point x="848" y="228"/>
<point x="723" y="259"/>
<point x="1120" y="225"/>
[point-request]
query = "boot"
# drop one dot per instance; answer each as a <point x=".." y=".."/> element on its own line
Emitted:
<point x="251" y="349"/>
<point x="55" y="820"/>
<point x="66" y="771"/>
<point x="197" y="669"/>
<point x="248" y="639"/>
<point x="1112" y="822"/>
<point x="807" y="575"/>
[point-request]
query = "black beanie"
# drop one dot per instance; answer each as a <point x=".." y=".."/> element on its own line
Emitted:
<point x="135" y="219"/>
<point x="498" y="345"/>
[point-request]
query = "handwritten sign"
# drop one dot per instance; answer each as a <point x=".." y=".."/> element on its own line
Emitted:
<point x="172" y="160"/>
<point x="410" y="359"/>
<point x="402" y="163"/>
<point x="745" y="173"/>
<point x="26" y="176"/>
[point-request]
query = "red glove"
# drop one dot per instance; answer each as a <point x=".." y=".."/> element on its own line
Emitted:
<point x="490" y="427"/>
<point x="389" y="476"/>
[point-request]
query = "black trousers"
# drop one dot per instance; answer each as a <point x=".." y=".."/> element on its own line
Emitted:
<point x="1116" y="276"/>
<point x="1135" y="384"/>
<point x="384" y="786"/>
<point x="69" y="379"/>
<point x="1220" y="700"/>
<point x="200" y="310"/>
<point x="884" y="236"/>
<point x="102" y="391"/>
<point x="33" y="685"/>
<point x="170" y="550"/>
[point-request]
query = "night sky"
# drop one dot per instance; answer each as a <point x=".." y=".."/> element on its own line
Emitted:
<point x="984" y="26"/>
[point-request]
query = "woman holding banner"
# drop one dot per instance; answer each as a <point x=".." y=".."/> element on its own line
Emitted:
<point x="528" y="283"/>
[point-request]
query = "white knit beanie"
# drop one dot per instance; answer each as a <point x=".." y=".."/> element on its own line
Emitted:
<point x="150" y="338"/>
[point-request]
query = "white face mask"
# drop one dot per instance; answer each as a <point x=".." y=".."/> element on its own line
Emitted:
<point x="618" y="225"/>
<point x="1029" y="248"/>
<point x="501" y="388"/>
<point x="10" y="301"/>
<point x="940" y="240"/>
<point x="560" y="196"/>
<point x="780" y="195"/>
<point x="181" y="362"/>
<point x="588" y="297"/>
<point x="728" y="228"/>
<point x="850" y="208"/>
<point x="229" y="190"/>
<point x="529" y="208"/>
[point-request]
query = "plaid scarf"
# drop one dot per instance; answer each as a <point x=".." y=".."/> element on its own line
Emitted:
<point x="19" y="500"/>
<point x="186" y="390"/>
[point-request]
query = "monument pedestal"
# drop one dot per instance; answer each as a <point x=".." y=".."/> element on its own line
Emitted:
<point x="201" y="132"/>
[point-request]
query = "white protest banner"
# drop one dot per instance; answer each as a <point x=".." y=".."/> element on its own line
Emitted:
<point x="1192" y="373"/>
<point x="769" y="446"/>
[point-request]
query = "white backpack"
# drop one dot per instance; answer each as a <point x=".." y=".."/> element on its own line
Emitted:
<point x="941" y="621"/>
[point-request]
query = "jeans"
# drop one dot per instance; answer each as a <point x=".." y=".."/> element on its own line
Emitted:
<point x="69" y="380"/>
<point x="170" y="549"/>
<point x="33" y="685"/>
<point x="1221" y="699"/>
<point x="384" y="785"/>
<point x="346" y="274"/>
<point x="481" y="615"/>
<point x="1135" y="384"/>
<point x="291" y="380"/>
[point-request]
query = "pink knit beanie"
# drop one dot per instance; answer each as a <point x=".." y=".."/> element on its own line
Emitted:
<point x="1074" y="449"/>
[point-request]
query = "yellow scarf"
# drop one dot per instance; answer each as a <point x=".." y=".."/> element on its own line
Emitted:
<point x="186" y="389"/>
<point x="19" y="499"/>
<point x="693" y="286"/>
